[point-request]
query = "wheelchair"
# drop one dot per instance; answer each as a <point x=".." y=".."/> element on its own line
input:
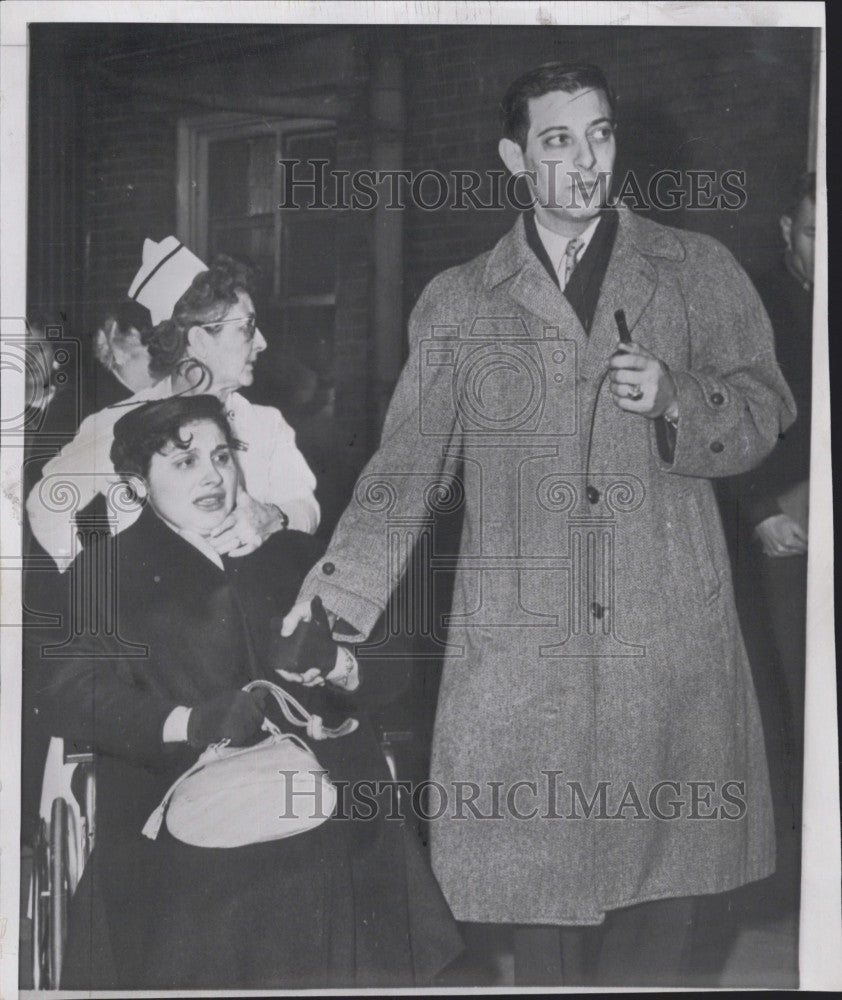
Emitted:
<point x="65" y="838"/>
<point x="63" y="843"/>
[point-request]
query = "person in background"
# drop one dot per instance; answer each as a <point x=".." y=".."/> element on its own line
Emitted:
<point x="206" y="339"/>
<point x="123" y="359"/>
<point x="776" y="494"/>
<point x="50" y="418"/>
<point x="44" y="329"/>
<point x="772" y="500"/>
<point x="52" y="403"/>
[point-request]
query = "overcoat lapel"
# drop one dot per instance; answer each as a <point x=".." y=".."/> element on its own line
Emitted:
<point x="529" y="285"/>
<point x="630" y="283"/>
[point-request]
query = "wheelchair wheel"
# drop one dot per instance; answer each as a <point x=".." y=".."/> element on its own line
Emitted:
<point x="40" y="909"/>
<point x="59" y="888"/>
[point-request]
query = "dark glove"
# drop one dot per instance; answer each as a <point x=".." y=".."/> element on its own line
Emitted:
<point x="310" y="645"/>
<point x="235" y="716"/>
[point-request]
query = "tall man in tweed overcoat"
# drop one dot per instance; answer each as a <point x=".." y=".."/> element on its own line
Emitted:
<point x="596" y="705"/>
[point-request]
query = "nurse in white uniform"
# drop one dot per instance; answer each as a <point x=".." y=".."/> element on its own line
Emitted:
<point x="205" y="340"/>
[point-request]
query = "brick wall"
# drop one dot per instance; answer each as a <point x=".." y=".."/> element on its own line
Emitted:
<point x="56" y="155"/>
<point x="129" y="186"/>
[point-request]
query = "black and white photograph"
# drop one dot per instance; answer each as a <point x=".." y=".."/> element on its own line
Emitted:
<point x="415" y="468"/>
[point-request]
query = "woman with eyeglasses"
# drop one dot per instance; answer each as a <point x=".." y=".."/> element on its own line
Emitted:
<point x="210" y="344"/>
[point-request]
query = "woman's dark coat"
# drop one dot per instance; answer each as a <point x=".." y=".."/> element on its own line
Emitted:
<point x="349" y="903"/>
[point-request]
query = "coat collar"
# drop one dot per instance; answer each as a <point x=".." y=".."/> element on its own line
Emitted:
<point x="152" y="547"/>
<point x="630" y="281"/>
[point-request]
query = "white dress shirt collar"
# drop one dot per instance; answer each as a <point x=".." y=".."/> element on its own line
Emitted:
<point x="555" y="244"/>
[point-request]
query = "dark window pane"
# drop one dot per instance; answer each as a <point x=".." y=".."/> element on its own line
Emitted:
<point x="252" y="243"/>
<point x="227" y="169"/>
<point x="309" y="262"/>
<point x="300" y="177"/>
<point x="241" y="177"/>
<point x="261" y="176"/>
<point x="312" y="146"/>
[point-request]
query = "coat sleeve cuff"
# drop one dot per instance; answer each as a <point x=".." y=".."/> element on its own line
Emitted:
<point x="175" y="725"/>
<point x="359" y="612"/>
<point x="712" y="438"/>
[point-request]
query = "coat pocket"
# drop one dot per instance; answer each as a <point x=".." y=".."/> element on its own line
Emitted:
<point x="699" y="534"/>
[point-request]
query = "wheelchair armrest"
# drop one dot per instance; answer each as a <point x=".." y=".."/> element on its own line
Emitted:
<point x="78" y="753"/>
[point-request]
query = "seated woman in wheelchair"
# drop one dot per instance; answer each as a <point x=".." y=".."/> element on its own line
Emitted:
<point x="348" y="903"/>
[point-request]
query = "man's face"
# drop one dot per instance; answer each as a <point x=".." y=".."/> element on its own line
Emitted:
<point x="132" y="358"/>
<point x="799" y="233"/>
<point x="570" y="148"/>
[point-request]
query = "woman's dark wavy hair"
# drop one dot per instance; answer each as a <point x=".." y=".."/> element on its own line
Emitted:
<point x="208" y="297"/>
<point x="544" y="79"/>
<point x="149" y="428"/>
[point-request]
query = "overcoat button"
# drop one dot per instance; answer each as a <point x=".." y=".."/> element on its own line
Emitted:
<point x="328" y="569"/>
<point x="717" y="398"/>
<point x="597" y="610"/>
<point x="716" y="447"/>
<point x="592" y="493"/>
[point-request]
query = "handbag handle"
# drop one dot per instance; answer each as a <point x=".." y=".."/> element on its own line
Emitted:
<point x="295" y="713"/>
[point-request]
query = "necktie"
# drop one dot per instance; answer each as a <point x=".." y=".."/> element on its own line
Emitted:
<point x="571" y="256"/>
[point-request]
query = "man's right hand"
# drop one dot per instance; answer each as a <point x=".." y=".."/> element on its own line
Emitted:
<point x="780" y="535"/>
<point x="298" y="613"/>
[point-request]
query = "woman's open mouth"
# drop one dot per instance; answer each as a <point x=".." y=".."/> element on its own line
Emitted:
<point x="210" y="501"/>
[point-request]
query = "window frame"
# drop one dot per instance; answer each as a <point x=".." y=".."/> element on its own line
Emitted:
<point x="195" y="134"/>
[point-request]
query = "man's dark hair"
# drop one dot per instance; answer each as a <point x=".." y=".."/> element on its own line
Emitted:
<point x="210" y="294"/>
<point x="149" y="428"/>
<point x="544" y="79"/>
<point x="804" y="187"/>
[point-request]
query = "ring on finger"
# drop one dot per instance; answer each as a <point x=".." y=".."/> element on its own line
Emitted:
<point x="635" y="392"/>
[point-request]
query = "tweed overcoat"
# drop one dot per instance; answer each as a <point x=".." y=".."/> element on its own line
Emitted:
<point x="597" y="737"/>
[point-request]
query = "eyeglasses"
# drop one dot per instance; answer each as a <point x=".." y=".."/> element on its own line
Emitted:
<point x="250" y="321"/>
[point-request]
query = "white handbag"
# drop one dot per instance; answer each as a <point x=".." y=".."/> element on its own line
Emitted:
<point x="233" y="796"/>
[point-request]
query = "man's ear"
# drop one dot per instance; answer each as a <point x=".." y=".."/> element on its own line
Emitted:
<point x="786" y="230"/>
<point x="512" y="155"/>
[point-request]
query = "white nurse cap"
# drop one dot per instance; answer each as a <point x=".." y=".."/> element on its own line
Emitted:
<point x="167" y="270"/>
